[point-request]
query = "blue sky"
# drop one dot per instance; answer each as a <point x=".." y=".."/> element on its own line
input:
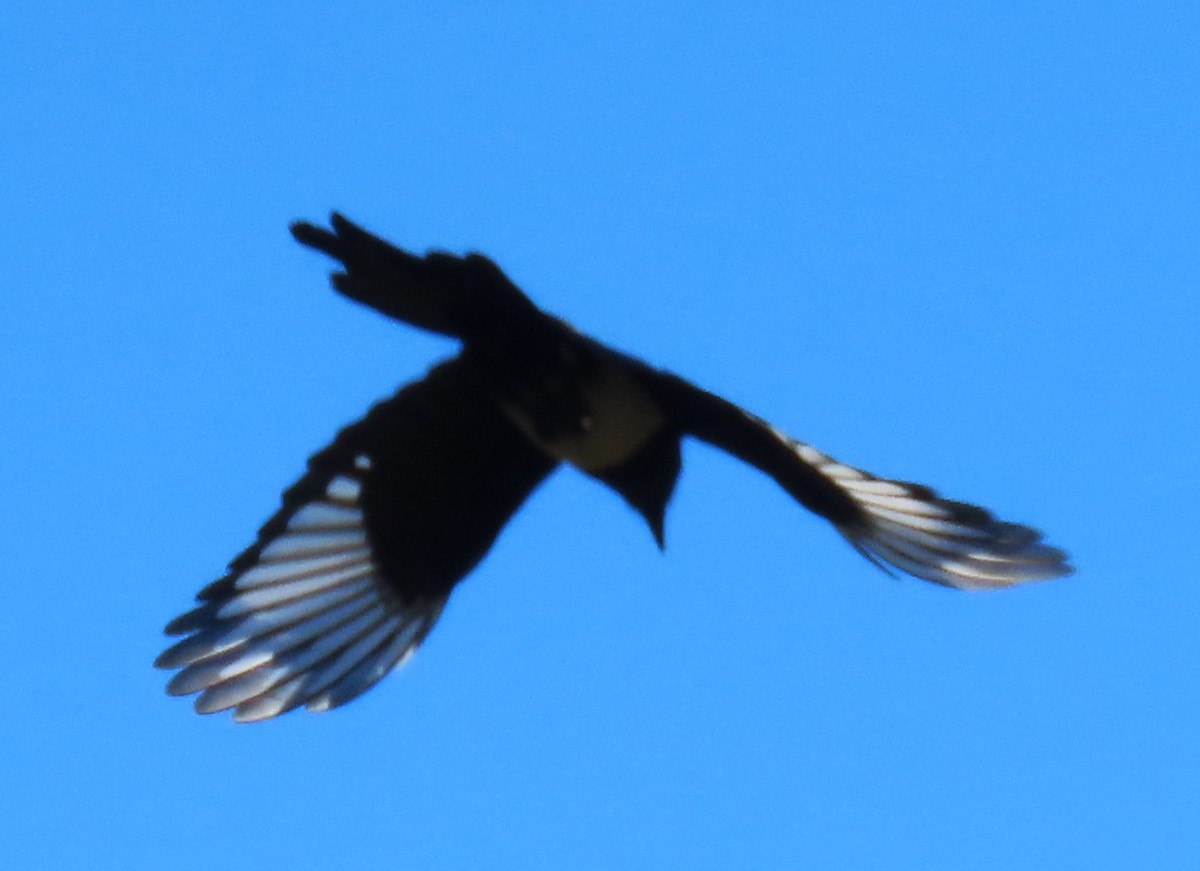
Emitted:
<point x="953" y="243"/>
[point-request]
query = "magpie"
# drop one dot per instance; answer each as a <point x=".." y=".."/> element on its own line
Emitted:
<point x="348" y="577"/>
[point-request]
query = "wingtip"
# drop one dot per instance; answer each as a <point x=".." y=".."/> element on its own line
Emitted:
<point x="910" y="528"/>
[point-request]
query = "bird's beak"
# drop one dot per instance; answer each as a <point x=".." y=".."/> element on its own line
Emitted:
<point x="656" y="528"/>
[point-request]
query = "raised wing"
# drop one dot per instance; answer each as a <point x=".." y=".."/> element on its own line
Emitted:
<point x="348" y="577"/>
<point x="894" y="524"/>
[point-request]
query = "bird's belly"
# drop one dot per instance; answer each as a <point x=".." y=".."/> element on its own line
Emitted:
<point x="620" y="418"/>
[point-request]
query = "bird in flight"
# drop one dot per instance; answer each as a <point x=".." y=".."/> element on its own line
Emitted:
<point x="347" y="578"/>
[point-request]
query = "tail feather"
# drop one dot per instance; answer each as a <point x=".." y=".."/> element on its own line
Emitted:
<point x="462" y="297"/>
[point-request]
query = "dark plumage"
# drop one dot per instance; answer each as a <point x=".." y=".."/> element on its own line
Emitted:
<point x="349" y="576"/>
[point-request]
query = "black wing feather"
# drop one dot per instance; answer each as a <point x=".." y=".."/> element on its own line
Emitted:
<point x="463" y="297"/>
<point x="348" y="577"/>
<point x="895" y="524"/>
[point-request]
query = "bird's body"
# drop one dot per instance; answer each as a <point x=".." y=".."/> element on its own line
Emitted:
<point x="349" y="576"/>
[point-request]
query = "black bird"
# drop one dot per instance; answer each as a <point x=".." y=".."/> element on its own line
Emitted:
<point x="348" y="577"/>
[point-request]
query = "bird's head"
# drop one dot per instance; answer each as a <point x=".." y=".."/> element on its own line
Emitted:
<point x="647" y="480"/>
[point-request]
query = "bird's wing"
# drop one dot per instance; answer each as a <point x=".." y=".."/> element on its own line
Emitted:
<point x="349" y="576"/>
<point x="892" y="523"/>
<point x="463" y="297"/>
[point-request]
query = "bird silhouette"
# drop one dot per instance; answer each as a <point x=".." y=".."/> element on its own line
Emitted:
<point x="347" y="578"/>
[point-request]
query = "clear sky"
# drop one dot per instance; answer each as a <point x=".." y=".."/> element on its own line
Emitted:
<point x="952" y="243"/>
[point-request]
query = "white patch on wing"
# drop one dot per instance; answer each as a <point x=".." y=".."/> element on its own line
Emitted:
<point x="310" y="622"/>
<point x="300" y="545"/>
<point x="343" y="489"/>
<point x="324" y="516"/>
<point x="909" y="527"/>
<point x="293" y="573"/>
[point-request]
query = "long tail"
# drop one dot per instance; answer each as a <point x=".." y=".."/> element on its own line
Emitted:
<point x="463" y="297"/>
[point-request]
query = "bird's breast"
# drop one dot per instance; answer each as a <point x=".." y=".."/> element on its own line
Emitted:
<point x="595" y="418"/>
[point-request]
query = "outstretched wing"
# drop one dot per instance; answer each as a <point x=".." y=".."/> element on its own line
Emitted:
<point x="892" y="523"/>
<point x="348" y="577"/>
<point x="463" y="297"/>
